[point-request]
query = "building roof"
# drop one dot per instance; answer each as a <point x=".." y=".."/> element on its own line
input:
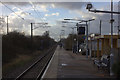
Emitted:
<point x="103" y="37"/>
<point x="106" y="36"/>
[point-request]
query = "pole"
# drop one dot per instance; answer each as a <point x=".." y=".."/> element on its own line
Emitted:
<point x="111" y="55"/>
<point x="118" y="29"/>
<point x="87" y="39"/>
<point x="90" y="48"/>
<point x="94" y="48"/>
<point x="72" y="30"/>
<point x="31" y="36"/>
<point x="60" y="37"/>
<point x="77" y="37"/>
<point x="100" y="26"/>
<point x="118" y="39"/>
<point x="72" y="38"/>
<point x="99" y="11"/>
<point x="77" y="44"/>
<point x="7" y="25"/>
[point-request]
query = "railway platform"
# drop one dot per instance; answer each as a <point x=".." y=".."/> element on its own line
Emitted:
<point x="66" y="64"/>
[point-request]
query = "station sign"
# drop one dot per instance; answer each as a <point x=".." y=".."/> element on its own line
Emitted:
<point x="81" y="30"/>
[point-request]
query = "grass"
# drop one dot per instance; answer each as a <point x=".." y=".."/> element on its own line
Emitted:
<point x="21" y="60"/>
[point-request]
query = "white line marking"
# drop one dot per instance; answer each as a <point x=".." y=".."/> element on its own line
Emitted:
<point x="48" y="65"/>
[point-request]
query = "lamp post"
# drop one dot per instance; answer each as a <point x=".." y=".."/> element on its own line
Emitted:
<point x="89" y="7"/>
<point x="86" y="21"/>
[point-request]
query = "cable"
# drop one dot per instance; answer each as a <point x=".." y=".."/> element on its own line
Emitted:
<point x="24" y="11"/>
<point x="12" y="11"/>
<point x="36" y="11"/>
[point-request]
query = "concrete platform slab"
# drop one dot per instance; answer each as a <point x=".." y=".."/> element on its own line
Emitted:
<point x="66" y="64"/>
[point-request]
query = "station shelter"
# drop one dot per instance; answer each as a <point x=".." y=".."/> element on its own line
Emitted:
<point x="101" y="44"/>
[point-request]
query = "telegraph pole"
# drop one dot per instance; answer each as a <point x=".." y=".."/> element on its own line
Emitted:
<point x="7" y="25"/>
<point x="31" y="36"/>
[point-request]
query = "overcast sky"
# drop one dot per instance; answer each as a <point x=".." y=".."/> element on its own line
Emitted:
<point x="53" y="13"/>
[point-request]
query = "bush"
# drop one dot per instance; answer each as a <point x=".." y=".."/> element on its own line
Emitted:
<point x="15" y="43"/>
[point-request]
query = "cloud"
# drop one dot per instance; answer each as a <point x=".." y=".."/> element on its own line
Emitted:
<point x="16" y="23"/>
<point x="43" y="18"/>
<point x="46" y="15"/>
<point x="52" y="14"/>
<point x="53" y="5"/>
<point x="94" y="25"/>
<point x="41" y="8"/>
<point x="73" y="7"/>
<point x="67" y="5"/>
<point x="70" y="5"/>
<point x="55" y="14"/>
<point x="17" y="3"/>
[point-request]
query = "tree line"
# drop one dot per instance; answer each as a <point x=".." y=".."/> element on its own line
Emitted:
<point x="71" y="40"/>
<point x="16" y="43"/>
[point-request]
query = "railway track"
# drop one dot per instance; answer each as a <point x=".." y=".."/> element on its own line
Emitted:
<point x="36" y="70"/>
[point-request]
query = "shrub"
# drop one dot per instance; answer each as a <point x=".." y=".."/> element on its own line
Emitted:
<point x="15" y="43"/>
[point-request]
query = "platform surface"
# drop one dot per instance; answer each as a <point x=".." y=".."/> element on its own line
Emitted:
<point x="66" y="64"/>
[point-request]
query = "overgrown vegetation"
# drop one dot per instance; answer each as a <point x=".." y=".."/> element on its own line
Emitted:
<point x="15" y="44"/>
